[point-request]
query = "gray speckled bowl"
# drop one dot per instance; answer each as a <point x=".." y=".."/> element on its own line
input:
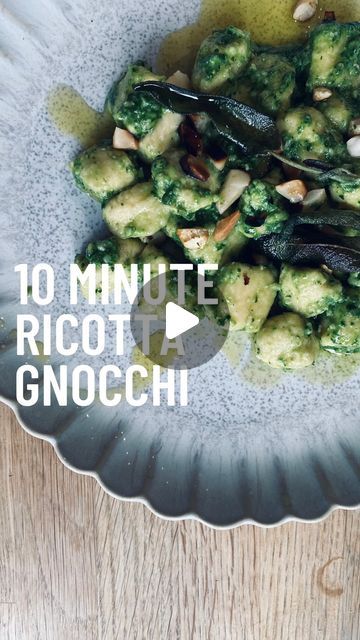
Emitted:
<point x="252" y="445"/>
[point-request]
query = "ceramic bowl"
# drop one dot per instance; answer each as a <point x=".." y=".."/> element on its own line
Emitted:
<point x="252" y="445"/>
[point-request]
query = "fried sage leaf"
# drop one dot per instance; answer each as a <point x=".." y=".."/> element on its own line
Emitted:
<point x="336" y="252"/>
<point x="319" y="171"/>
<point x="340" y="174"/>
<point x="332" y="217"/>
<point x="311" y="171"/>
<point x="250" y="130"/>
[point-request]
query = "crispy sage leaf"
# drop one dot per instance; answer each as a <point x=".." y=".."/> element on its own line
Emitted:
<point x="250" y="130"/>
<point x="340" y="174"/>
<point x="318" y="164"/>
<point x="336" y="252"/>
<point x="319" y="171"/>
<point x="333" y="217"/>
<point x="311" y="171"/>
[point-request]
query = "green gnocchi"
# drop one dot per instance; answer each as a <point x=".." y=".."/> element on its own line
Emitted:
<point x="179" y="180"/>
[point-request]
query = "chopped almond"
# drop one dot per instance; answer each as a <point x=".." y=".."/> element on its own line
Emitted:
<point x="123" y="139"/>
<point x="225" y="226"/>
<point x="326" y="269"/>
<point x="305" y="10"/>
<point x="194" y="238"/>
<point x="234" y="186"/>
<point x="315" y="198"/>
<point x="321" y="93"/>
<point x="353" y="147"/>
<point x="219" y="164"/>
<point x="293" y="190"/>
<point x="179" y="79"/>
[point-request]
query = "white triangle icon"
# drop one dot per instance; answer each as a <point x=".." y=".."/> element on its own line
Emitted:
<point x="178" y="320"/>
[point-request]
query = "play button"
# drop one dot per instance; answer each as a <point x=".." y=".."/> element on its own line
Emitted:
<point x="178" y="320"/>
<point x="178" y="332"/>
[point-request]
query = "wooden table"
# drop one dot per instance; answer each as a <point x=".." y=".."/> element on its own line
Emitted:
<point x="78" y="564"/>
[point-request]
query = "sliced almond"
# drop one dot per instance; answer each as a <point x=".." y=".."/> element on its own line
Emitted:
<point x="234" y="186"/>
<point x="195" y="238"/>
<point x="315" y="198"/>
<point x="305" y="10"/>
<point x="179" y="79"/>
<point x="195" y="167"/>
<point x="123" y="139"/>
<point x="353" y="146"/>
<point x="354" y="127"/>
<point x="294" y="190"/>
<point x="321" y="93"/>
<point x="225" y="226"/>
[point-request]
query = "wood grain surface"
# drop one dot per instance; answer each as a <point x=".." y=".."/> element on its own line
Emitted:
<point x="78" y="564"/>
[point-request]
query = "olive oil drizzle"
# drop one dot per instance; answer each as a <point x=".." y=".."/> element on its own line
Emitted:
<point x="269" y="22"/>
<point x="74" y="117"/>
